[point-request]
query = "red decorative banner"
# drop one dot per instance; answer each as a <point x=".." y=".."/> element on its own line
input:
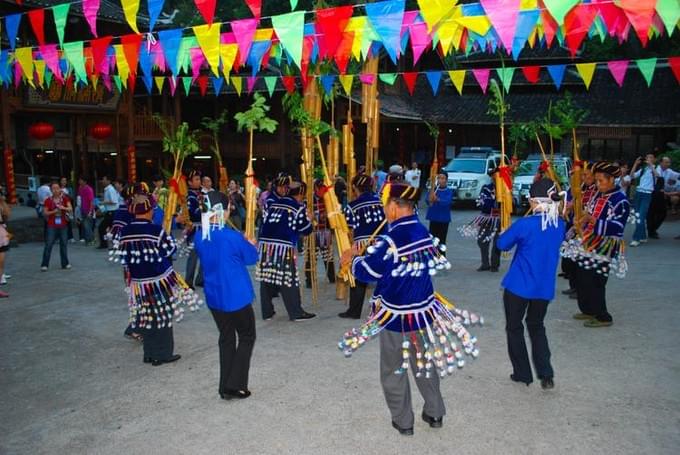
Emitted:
<point x="132" y="164"/>
<point x="9" y="176"/>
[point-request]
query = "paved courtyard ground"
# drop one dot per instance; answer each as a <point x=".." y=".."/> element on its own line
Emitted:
<point x="71" y="384"/>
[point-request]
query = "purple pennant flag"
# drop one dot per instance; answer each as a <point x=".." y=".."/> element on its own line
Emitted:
<point x="170" y="41"/>
<point x="386" y="19"/>
<point x="557" y="74"/>
<point x="12" y="22"/>
<point x="434" y="78"/>
<point x="155" y="8"/>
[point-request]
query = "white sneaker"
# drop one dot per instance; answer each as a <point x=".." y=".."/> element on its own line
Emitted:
<point x="3" y="281"/>
<point x="6" y="277"/>
<point x="68" y="267"/>
<point x="82" y="240"/>
<point x="634" y="243"/>
<point x="43" y="269"/>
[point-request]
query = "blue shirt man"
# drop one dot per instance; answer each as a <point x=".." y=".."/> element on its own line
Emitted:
<point x="439" y="211"/>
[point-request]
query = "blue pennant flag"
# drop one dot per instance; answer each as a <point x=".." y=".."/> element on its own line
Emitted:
<point x="557" y="74"/>
<point x="434" y="78"/>
<point x="386" y="19"/>
<point x="145" y="65"/>
<point x="525" y="25"/>
<point x="327" y="82"/>
<point x="217" y="84"/>
<point x="12" y="27"/>
<point x="155" y="8"/>
<point x="170" y="41"/>
<point x="4" y="67"/>
<point x="257" y="51"/>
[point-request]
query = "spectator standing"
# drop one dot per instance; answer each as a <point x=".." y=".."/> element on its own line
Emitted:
<point x="57" y="210"/>
<point x="238" y="204"/>
<point x="665" y="180"/>
<point x="379" y="175"/>
<point x="439" y="211"/>
<point x="413" y="175"/>
<point x="65" y="190"/>
<point x="4" y="239"/>
<point x="87" y="211"/>
<point x="110" y="204"/>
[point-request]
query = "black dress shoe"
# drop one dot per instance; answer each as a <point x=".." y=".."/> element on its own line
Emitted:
<point x="493" y="269"/>
<point x="240" y="394"/>
<point x="403" y="431"/>
<point x="514" y="379"/>
<point x="569" y="291"/>
<point x="269" y="318"/>
<point x="547" y="383"/>
<point x="434" y="422"/>
<point x="346" y="315"/>
<point x="483" y="269"/>
<point x="304" y="316"/>
<point x="172" y="358"/>
<point x="573" y="296"/>
<point x="147" y="360"/>
<point x="562" y="275"/>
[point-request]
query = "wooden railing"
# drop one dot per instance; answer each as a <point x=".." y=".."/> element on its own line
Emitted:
<point x="146" y="128"/>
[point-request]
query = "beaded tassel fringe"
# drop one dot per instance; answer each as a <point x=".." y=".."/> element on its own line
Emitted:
<point x="483" y="227"/>
<point x="602" y="254"/>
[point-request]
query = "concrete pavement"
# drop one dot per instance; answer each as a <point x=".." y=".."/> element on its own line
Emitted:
<point x="70" y="383"/>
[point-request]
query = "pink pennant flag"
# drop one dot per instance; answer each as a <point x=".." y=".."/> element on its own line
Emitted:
<point x="172" y="81"/>
<point x="503" y="16"/>
<point x="482" y="77"/>
<point x="106" y="79"/>
<point x="244" y="31"/>
<point x="420" y="39"/>
<point x="618" y="69"/>
<point x="50" y="55"/>
<point x="90" y="10"/>
<point x="250" y="83"/>
<point x="367" y="79"/>
<point x="197" y="60"/>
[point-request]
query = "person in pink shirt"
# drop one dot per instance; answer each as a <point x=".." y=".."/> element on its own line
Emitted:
<point x="86" y="195"/>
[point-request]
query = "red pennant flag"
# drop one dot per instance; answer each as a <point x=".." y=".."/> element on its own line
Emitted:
<point x="203" y="84"/>
<point x="131" y="45"/>
<point x="207" y="9"/>
<point x="640" y="14"/>
<point x="410" y="80"/>
<point x="549" y="27"/>
<point x="90" y="69"/>
<point x="307" y="47"/>
<point x="132" y="81"/>
<point x="531" y="73"/>
<point x="674" y="63"/>
<point x="99" y="47"/>
<point x="344" y="52"/>
<point x="37" y="19"/>
<point x="578" y="22"/>
<point x="330" y="25"/>
<point x="255" y="7"/>
<point x="289" y="83"/>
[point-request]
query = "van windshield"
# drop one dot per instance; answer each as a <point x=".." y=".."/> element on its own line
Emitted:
<point x="531" y="168"/>
<point x="473" y="166"/>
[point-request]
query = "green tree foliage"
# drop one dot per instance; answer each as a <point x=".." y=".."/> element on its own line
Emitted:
<point x="214" y="125"/>
<point x="255" y="118"/>
<point x="181" y="141"/>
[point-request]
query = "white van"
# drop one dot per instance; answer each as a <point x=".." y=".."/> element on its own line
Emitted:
<point x="527" y="171"/>
<point x="468" y="172"/>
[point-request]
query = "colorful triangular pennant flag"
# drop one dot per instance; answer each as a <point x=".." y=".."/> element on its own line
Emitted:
<point x="618" y="69"/>
<point x="557" y="74"/>
<point x="458" y="79"/>
<point x="646" y="67"/>
<point x="434" y="78"/>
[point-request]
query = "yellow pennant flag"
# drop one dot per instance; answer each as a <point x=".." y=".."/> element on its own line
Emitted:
<point x="122" y="64"/>
<point x="586" y="71"/>
<point x="228" y="53"/>
<point x="528" y="4"/>
<point x="208" y="37"/>
<point x="478" y="24"/>
<point x="458" y="78"/>
<point x="24" y="55"/>
<point x="94" y="80"/>
<point x="237" y="82"/>
<point x="264" y="34"/>
<point x="130" y="8"/>
<point x="159" y="80"/>
<point x="450" y="34"/>
<point x="346" y="82"/>
<point x="433" y="11"/>
<point x="532" y="38"/>
<point x="40" y="71"/>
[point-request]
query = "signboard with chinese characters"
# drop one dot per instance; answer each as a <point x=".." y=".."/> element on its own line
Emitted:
<point x="59" y="96"/>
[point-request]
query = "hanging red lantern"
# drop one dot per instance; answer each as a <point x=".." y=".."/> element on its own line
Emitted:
<point x="100" y="131"/>
<point x="41" y="131"/>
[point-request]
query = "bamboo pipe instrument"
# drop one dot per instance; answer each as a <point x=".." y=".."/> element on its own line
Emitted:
<point x="250" y="192"/>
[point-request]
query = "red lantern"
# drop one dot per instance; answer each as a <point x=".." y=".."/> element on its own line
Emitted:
<point x="100" y="131"/>
<point x="41" y="131"/>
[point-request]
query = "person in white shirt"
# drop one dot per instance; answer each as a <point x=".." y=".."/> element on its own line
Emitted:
<point x="643" y="194"/>
<point x="665" y="180"/>
<point x="413" y="176"/>
<point x="112" y="200"/>
<point x="43" y="193"/>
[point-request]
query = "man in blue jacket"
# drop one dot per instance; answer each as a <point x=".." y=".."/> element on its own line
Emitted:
<point x="225" y="255"/>
<point x="439" y="212"/>
<point x="530" y="282"/>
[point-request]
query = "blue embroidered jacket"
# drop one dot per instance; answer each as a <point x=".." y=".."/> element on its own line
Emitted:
<point x="364" y="214"/>
<point x="402" y="262"/>
<point x="611" y="211"/>
<point x="285" y="221"/>
<point x="194" y="206"/>
<point x="146" y="250"/>
<point x="487" y="199"/>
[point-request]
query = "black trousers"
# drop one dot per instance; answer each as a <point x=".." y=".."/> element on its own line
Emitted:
<point x="106" y="223"/>
<point x="159" y="344"/>
<point x="235" y="356"/>
<point x="569" y="268"/>
<point x="330" y="273"/>
<point x="357" y="294"/>
<point x="290" y="296"/>
<point x="533" y="313"/>
<point x="657" y="212"/>
<point x="440" y="231"/>
<point x="591" y="292"/>
<point x="486" y="243"/>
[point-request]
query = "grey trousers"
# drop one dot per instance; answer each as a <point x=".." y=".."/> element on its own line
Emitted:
<point x="396" y="386"/>
<point x="192" y="263"/>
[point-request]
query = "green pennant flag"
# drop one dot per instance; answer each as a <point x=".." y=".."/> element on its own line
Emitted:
<point x="74" y="55"/>
<point x="293" y="4"/>
<point x="388" y="78"/>
<point x="290" y="28"/>
<point x="669" y="12"/>
<point x="48" y="78"/>
<point x="600" y="28"/>
<point x="60" y="13"/>
<point x="270" y="82"/>
<point x="119" y="85"/>
<point x="186" y="82"/>
<point x="183" y="55"/>
<point x="505" y="75"/>
<point x="647" y="66"/>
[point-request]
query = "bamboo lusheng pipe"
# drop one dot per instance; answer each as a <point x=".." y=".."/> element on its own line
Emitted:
<point x="576" y="181"/>
<point x="551" y="169"/>
<point x="336" y="218"/>
<point x="250" y="190"/>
